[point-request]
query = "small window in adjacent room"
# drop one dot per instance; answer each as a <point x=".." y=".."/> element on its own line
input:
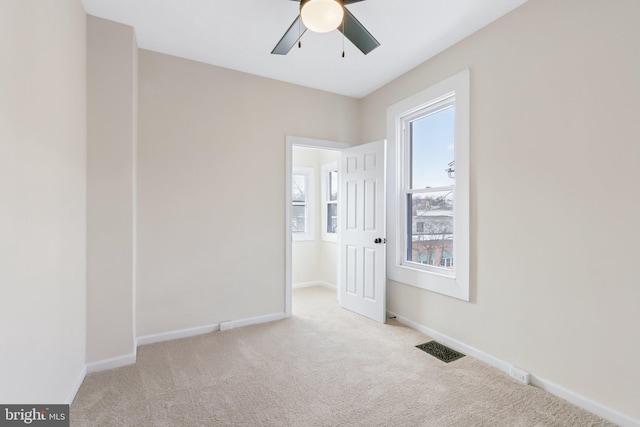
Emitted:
<point x="330" y="177"/>
<point x="428" y="210"/>
<point x="301" y="204"/>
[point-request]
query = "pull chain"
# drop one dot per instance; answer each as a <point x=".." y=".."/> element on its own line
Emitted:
<point x="343" y="36"/>
<point x="299" y="32"/>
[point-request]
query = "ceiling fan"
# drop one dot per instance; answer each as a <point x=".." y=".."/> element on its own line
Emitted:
<point x="323" y="16"/>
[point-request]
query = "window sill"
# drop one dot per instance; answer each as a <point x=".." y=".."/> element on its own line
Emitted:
<point x="431" y="281"/>
<point x="430" y="270"/>
<point x="302" y="237"/>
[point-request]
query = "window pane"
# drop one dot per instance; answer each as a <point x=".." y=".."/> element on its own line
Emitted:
<point x="430" y="233"/>
<point x="432" y="150"/>
<point x="298" y="188"/>
<point x="332" y="217"/>
<point x="333" y="185"/>
<point x="298" y="223"/>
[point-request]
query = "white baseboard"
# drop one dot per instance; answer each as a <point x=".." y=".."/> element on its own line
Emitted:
<point x="174" y="335"/>
<point x="455" y="344"/>
<point x="230" y="324"/>
<point x="305" y="285"/>
<point x="115" y="362"/>
<point x="76" y="386"/>
<point x="200" y="330"/>
<point x="561" y="392"/>
<point x="329" y="286"/>
<point x="585" y="403"/>
<point x="310" y="284"/>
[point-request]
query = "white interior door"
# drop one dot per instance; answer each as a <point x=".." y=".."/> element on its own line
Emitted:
<point x="361" y="223"/>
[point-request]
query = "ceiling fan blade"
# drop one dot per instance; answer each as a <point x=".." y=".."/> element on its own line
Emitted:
<point x="357" y="33"/>
<point x="291" y="36"/>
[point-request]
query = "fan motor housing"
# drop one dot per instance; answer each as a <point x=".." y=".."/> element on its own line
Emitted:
<point x="303" y="2"/>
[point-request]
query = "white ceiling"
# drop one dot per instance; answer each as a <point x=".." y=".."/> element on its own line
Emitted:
<point x="240" y="34"/>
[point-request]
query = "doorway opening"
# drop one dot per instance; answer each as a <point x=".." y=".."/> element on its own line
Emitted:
<point x="311" y="214"/>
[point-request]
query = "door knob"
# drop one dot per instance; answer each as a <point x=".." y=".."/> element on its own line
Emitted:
<point x="378" y="240"/>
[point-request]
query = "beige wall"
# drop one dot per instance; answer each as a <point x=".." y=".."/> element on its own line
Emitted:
<point x="211" y="188"/>
<point x="555" y="101"/>
<point x="42" y="194"/>
<point x="111" y="145"/>
<point x="328" y="255"/>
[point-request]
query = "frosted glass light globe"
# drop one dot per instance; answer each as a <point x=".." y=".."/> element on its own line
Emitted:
<point x="321" y="16"/>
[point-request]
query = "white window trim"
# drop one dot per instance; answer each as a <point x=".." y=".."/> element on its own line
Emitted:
<point x="329" y="167"/>
<point x="309" y="233"/>
<point x="455" y="285"/>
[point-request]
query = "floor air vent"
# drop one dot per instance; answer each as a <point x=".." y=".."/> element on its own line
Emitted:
<point x="440" y="351"/>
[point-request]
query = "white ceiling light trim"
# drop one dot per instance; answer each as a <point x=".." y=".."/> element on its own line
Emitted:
<point x="321" y="16"/>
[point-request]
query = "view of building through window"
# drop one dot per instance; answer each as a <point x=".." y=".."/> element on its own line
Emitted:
<point x="431" y="187"/>
<point x="432" y="229"/>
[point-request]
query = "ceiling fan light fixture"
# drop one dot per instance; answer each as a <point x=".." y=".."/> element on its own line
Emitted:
<point x="321" y="16"/>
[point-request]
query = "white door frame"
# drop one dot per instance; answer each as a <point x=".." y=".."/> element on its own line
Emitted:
<point x="297" y="141"/>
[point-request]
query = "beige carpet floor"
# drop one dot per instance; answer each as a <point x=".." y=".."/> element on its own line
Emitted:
<point x="325" y="366"/>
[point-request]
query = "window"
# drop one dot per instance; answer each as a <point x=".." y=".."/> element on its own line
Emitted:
<point x="302" y="204"/>
<point x="428" y="184"/>
<point x="330" y="180"/>
<point x="429" y="188"/>
<point x="446" y="261"/>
